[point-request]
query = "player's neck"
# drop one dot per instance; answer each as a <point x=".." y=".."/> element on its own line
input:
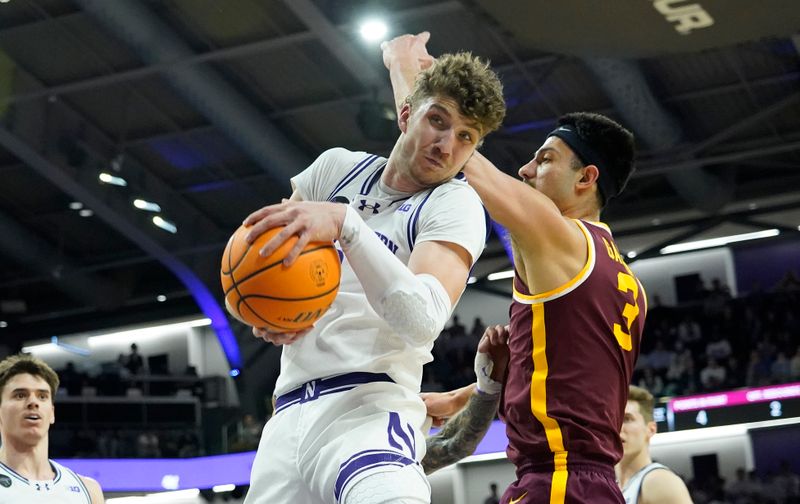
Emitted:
<point x="628" y="467"/>
<point x="28" y="461"/>
<point x="581" y="209"/>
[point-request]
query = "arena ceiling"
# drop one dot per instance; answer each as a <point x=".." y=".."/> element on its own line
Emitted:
<point x="207" y="107"/>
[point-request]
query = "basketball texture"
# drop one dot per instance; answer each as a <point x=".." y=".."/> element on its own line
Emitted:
<point x="262" y="292"/>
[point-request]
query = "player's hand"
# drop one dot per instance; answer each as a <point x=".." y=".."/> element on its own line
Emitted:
<point x="408" y="51"/>
<point x="308" y="220"/>
<point x="443" y="405"/>
<point x="494" y="342"/>
<point x="279" y="338"/>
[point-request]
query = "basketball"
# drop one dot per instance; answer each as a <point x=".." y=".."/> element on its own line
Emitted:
<point x="262" y="292"/>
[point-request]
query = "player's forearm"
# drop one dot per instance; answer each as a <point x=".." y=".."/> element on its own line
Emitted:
<point x="509" y="201"/>
<point x="402" y="76"/>
<point x="460" y="435"/>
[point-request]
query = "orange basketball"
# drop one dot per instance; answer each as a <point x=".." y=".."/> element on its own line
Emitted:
<point x="262" y="292"/>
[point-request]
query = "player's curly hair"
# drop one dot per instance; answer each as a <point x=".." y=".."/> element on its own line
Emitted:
<point x="25" y="363"/>
<point x="608" y="138"/>
<point x="470" y="82"/>
<point x="644" y="399"/>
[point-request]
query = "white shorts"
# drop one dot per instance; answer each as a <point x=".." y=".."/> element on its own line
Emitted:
<point x="314" y="451"/>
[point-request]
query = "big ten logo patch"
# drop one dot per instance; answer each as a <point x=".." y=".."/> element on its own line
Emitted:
<point x="319" y="272"/>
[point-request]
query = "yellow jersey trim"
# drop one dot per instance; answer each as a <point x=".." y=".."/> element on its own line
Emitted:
<point x="571" y="285"/>
<point x="555" y="439"/>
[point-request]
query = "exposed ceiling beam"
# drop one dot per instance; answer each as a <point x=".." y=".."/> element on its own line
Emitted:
<point x="744" y="124"/>
<point x="340" y="47"/>
<point x="220" y="54"/>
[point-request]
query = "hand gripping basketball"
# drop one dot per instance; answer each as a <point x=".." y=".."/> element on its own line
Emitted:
<point x="263" y="292"/>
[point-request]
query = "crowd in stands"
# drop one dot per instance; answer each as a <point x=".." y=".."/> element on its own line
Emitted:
<point x="776" y="487"/>
<point x="67" y="442"/>
<point x="713" y="342"/>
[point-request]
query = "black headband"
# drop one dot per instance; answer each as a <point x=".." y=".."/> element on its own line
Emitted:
<point x="588" y="156"/>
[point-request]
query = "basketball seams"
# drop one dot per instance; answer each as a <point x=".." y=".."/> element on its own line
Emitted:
<point x="275" y="298"/>
<point x="239" y="261"/>
<point x="237" y="281"/>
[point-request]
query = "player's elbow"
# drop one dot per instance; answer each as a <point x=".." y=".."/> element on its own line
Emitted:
<point x="408" y="315"/>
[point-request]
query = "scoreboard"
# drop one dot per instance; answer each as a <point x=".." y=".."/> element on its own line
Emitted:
<point x="727" y="408"/>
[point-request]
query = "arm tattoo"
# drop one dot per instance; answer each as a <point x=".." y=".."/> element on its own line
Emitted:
<point x="461" y="434"/>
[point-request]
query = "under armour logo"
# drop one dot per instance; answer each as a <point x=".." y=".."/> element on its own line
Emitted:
<point x="374" y="207"/>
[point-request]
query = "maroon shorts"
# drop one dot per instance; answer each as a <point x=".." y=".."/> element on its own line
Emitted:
<point x="584" y="484"/>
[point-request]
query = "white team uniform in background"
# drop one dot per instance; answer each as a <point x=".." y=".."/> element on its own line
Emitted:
<point x="65" y="488"/>
<point x="325" y="440"/>
<point x="633" y="488"/>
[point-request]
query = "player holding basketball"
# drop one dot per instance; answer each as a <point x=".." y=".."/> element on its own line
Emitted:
<point x="577" y="311"/>
<point x="642" y="480"/>
<point x="27" y="386"/>
<point x="348" y="422"/>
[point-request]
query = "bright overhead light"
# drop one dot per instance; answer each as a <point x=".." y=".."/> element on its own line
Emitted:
<point x="223" y="488"/>
<point x="471" y="280"/>
<point x="144" y="332"/>
<point x="146" y="205"/>
<point x="112" y="179"/>
<point x="161" y="298"/>
<point x="631" y="254"/>
<point x="165" y="224"/>
<point x="500" y="275"/>
<point x="373" y="30"/>
<point x="3" y="324"/>
<point x="718" y="242"/>
<point x="75" y="205"/>
<point x="85" y="212"/>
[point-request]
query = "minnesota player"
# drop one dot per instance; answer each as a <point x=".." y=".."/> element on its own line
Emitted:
<point x="577" y="311"/>
<point x="27" y="386"/>
<point x="348" y="421"/>
<point x="642" y="480"/>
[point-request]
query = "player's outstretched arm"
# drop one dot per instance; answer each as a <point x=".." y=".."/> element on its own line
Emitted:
<point x="533" y="219"/>
<point x="95" y="492"/>
<point x="460" y="436"/>
<point x="405" y="56"/>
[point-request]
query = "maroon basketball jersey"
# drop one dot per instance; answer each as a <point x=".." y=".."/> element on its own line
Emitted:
<point x="573" y="350"/>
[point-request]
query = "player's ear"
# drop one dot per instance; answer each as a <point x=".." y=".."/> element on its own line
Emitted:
<point x="652" y="428"/>
<point x="403" y="117"/>
<point x="589" y="175"/>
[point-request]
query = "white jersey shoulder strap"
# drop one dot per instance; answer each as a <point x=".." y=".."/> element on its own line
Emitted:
<point x="633" y="488"/>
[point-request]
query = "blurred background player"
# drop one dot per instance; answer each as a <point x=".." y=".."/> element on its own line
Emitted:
<point x="577" y="312"/>
<point x="27" y="475"/>
<point x="348" y="420"/>
<point x="642" y="480"/>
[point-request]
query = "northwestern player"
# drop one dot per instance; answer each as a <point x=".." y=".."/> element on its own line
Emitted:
<point x="642" y="480"/>
<point x="27" y="386"/>
<point x="348" y="421"/>
<point x="577" y="311"/>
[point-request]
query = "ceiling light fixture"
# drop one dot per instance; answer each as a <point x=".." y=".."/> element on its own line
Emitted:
<point x="500" y="275"/>
<point x="165" y="224"/>
<point x="373" y="30"/>
<point x="112" y="179"/>
<point x="75" y="205"/>
<point x="718" y="242"/>
<point x="148" y="206"/>
<point x="85" y="212"/>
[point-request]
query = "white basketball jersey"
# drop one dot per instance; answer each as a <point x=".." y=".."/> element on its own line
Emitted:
<point x="65" y="488"/>
<point x="351" y="336"/>
<point x="634" y="485"/>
